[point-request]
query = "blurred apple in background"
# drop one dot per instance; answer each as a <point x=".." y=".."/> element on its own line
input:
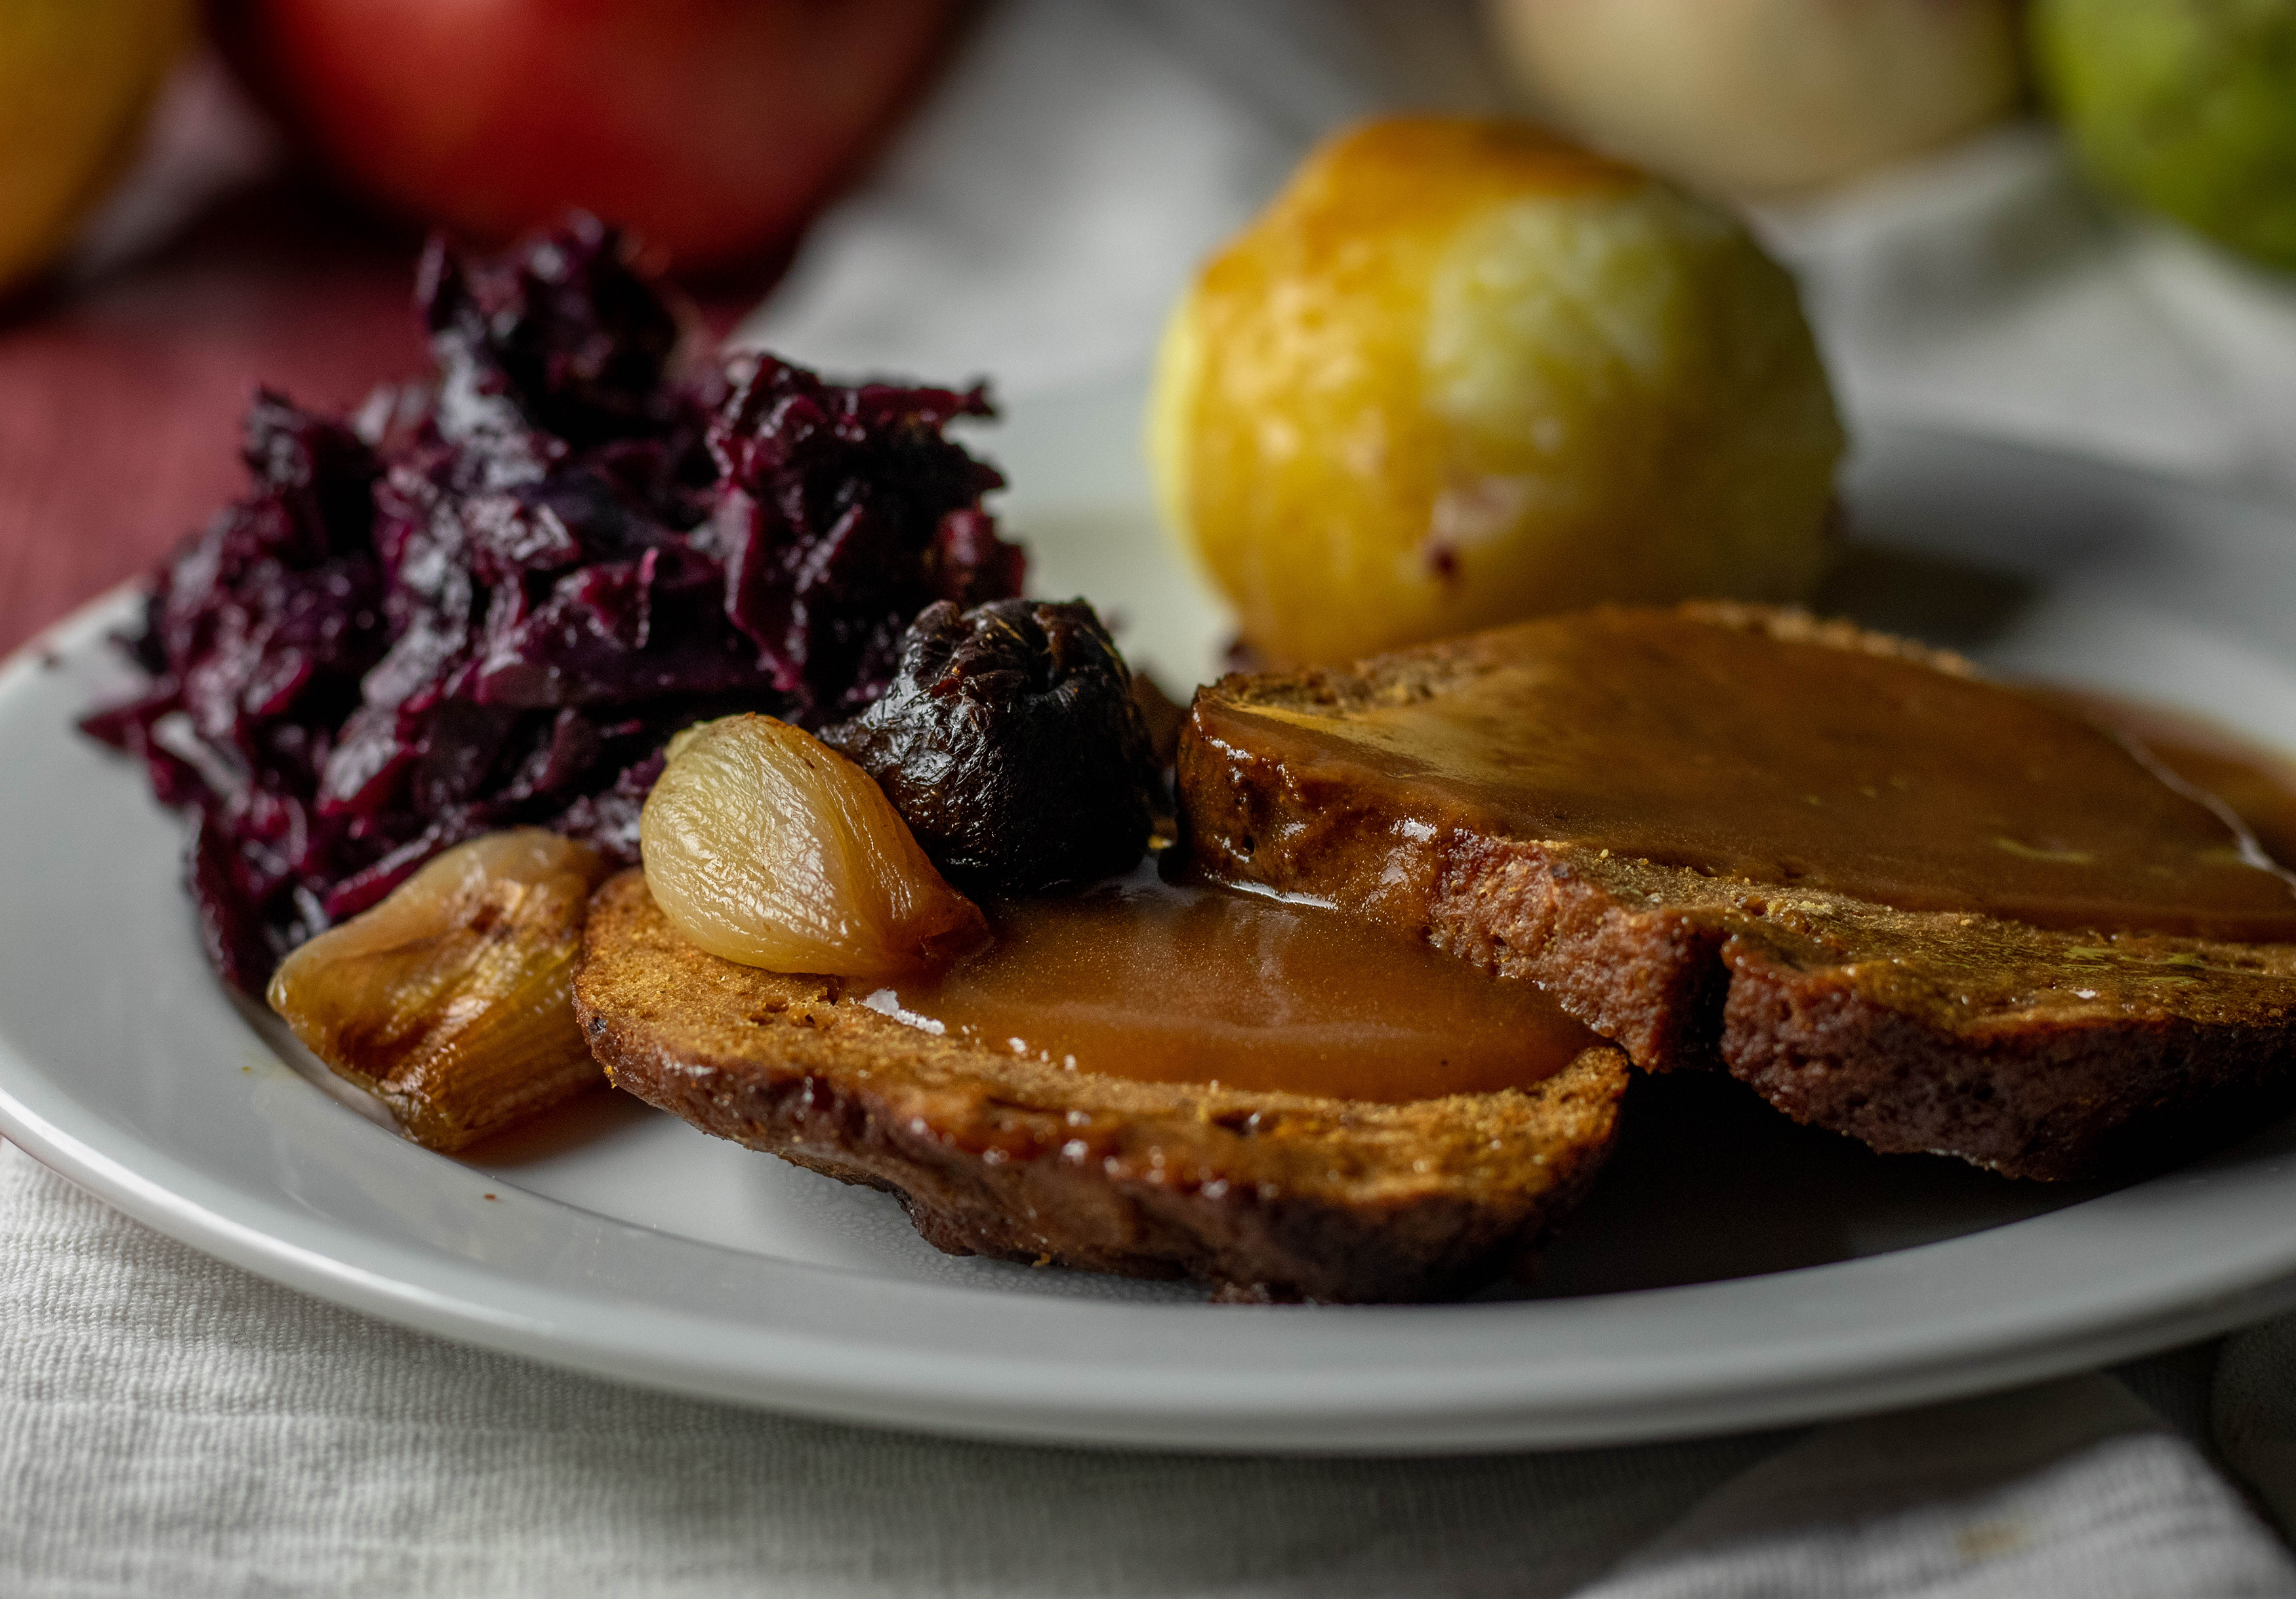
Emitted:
<point x="711" y="128"/>
<point x="76" y="80"/>
<point x="2188" y="106"/>
<point x="1760" y="98"/>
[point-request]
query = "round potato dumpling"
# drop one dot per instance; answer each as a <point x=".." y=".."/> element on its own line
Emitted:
<point x="1460" y="373"/>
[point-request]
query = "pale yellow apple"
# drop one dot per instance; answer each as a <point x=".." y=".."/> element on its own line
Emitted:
<point x="75" y="79"/>
<point x="1764" y="97"/>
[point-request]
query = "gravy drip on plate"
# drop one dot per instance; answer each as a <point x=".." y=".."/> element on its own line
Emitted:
<point x="1184" y="983"/>
<point x="2255" y="784"/>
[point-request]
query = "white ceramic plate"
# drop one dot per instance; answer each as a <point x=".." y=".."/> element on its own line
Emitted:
<point x="1732" y="1270"/>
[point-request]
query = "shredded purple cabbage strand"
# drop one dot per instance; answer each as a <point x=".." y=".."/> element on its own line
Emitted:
<point x="487" y="601"/>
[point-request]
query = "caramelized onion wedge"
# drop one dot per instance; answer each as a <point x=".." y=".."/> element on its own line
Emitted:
<point x="452" y="1001"/>
<point x="765" y="846"/>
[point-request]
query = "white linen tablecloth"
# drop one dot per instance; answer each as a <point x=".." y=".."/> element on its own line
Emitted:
<point x="170" y="1425"/>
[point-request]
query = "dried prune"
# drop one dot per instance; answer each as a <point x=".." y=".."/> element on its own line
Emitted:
<point x="1010" y="742"/>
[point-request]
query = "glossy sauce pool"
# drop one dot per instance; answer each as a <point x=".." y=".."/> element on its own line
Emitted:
<point x="1168" y="982"/>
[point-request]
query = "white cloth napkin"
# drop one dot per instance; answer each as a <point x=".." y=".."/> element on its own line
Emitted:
<point x="170" y="1425"/>
<point x="1035" y="221"/>
<point x="1989" y="290"/>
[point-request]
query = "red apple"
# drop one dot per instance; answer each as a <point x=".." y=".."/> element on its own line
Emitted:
<point x="711" y="128"/>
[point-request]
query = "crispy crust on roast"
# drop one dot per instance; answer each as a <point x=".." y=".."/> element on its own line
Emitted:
<point x="1266" y="1196"/>
<point x="2036" y="1053"/>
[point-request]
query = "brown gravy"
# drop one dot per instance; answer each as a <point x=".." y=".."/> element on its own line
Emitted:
<point x="1663" y="738"/>
<point x="1181" y="983"/>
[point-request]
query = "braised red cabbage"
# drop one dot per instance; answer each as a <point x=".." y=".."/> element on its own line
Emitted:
<point x="485" y="601"/>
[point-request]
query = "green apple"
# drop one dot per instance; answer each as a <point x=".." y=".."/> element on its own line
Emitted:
<point x="2187" y="106"/>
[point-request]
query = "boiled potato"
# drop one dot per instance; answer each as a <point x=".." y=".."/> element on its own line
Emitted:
<point x="1460" y="373"/>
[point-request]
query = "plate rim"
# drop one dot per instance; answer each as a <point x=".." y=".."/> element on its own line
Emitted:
<point x="1011" y="1394"/>
<point x="1010" y="1406"/>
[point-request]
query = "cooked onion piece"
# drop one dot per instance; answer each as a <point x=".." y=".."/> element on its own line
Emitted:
<point x="765" y="846"/>
<point x="452" y="1000"/>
